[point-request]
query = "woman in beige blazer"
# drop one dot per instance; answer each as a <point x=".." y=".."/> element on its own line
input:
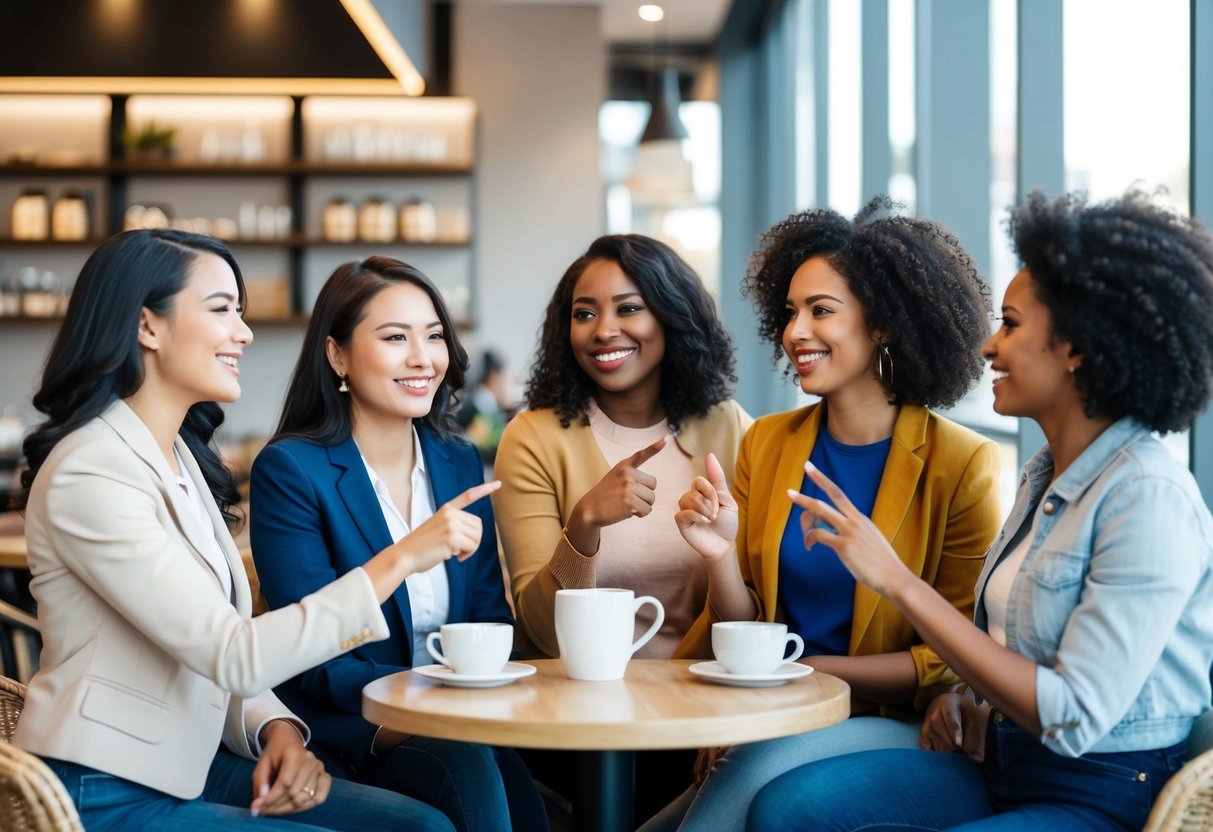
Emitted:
<point x="150" y="656"/>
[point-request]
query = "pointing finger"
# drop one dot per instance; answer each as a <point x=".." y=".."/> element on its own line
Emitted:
<point x="645" y="454"/>
<point x="474" y="493"/>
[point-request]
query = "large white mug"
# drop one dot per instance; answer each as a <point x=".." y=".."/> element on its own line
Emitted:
<point x="753" y="648"/>
<point x="472" y="648"/>
<point x="594" y="628"/>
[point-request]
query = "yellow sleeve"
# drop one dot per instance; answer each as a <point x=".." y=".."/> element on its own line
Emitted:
<point x="973" y="521"/>
<point x="529" y="523"/>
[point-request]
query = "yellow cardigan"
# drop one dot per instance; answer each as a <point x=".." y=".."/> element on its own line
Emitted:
<point x="937" y="503"/>
<point x="545" y="469"/>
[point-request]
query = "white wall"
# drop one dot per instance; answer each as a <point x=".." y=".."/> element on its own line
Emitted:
<point x="538" y="75"/>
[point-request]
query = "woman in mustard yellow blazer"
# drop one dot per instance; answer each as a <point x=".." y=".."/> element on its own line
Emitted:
<point x="881" y="318"/>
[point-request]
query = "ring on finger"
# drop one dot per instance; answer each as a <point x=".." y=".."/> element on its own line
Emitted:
<point x="310" y="791"/>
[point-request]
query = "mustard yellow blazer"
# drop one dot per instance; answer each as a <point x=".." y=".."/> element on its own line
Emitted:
<point x="937" y="503"/>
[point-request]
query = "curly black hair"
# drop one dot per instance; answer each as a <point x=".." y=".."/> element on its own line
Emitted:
<point x="1130" y="286"/>
<point x="697" y="371"/>
<point x="917" y="286"/>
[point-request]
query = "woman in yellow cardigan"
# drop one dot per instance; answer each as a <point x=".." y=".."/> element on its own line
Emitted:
<point x="881" y="318"/>
<point x="629" y="393"/>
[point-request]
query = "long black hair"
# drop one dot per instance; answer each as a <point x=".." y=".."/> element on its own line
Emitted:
<point x="697" y="370"/>
<point x="315" y="410"/>
<point x="96" y="358"/>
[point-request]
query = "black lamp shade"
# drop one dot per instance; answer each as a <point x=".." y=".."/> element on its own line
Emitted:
<point x="664" y="124"/>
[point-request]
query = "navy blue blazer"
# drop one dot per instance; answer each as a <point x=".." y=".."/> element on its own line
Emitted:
<point x="313" y="517"/>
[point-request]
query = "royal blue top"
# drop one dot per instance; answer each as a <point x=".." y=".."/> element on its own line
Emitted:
<point x="816" y="591"/>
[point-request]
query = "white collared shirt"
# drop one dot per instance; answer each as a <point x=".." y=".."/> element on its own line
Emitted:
<point x="429" y="592"/>
<point x="212" y="552"/>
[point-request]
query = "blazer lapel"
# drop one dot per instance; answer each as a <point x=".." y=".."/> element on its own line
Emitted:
<point x="127" y="424"/>
<point x="898" y="485"/>
<point x="361" y="501"/>
<point x="241" y="594"/>
<point x="788" y="474"/>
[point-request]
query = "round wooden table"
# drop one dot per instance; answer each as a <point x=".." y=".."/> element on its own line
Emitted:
<point x="658" y="704"/>
<point x="12" y="551"/>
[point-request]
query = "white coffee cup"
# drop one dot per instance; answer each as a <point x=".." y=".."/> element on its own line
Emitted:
<point x="594" y="628"/>
<point x="473" y="648"/>
<point x="753" y="648"/>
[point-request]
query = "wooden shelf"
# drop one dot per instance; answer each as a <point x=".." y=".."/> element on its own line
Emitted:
<point x="169" y="169"/>
<point x="92" y="242"/>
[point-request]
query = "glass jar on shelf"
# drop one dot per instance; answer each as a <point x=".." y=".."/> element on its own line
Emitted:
<point x="377" y="221"/>
<point x="69" y="217"/>
<point x="31" y="220"/>
<point x="418" y="221"/>
<point x="340" y="221"/>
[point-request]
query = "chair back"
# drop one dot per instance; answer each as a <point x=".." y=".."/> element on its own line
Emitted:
<point x="31" y="797"/>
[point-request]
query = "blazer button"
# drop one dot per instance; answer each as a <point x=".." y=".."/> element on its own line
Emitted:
<point x="1049" y="507"/>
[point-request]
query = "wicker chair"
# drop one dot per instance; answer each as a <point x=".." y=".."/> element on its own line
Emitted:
<point x="1186" y="802"/>
<point x="31" y="797"/>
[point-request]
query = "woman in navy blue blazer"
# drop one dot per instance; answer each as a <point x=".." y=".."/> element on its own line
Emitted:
<point x="363" y="460"/>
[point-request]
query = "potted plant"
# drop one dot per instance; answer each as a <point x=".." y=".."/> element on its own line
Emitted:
<point x="151" y="142"/>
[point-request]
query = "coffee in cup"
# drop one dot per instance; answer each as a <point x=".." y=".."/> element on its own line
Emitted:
<point x="753" y="648"/>
<point x="594" y="628"/>
<point x="472" y="648"/>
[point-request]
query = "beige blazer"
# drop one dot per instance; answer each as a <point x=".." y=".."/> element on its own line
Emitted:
<point x="146" y="662"/>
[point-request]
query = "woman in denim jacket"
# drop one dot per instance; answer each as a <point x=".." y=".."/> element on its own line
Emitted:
<point x="1090" y="657"/>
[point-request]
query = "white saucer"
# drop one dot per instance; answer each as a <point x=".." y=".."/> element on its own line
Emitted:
<point x="715" y="672"/>
<point x="512" y="672"/>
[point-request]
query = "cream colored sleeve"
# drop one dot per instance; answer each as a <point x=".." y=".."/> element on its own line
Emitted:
<point x="104" y="528"/>
<point x="530" y="525"/>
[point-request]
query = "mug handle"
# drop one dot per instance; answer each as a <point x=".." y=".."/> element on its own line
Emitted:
<point x="429" y="648"/>
<point x="793" y="638"/>
<point x="652" y="631"/>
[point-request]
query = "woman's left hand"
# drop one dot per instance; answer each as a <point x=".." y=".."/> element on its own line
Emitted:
<point x="288" y="778"/>
<point x="860" y="546"/>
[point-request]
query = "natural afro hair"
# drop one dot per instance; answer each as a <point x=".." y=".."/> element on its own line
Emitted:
<point x="1130" y="286"/>
<point x="917" y="287"/>
<point x="697" y="370"/>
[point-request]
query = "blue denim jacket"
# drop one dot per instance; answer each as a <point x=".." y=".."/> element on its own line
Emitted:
<point x="1114" y="601"/>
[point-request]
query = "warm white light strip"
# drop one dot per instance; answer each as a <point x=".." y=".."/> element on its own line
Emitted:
<point x="202" y="86"/>
<point x="385" y="45"/>
<point x="205" y="107"/>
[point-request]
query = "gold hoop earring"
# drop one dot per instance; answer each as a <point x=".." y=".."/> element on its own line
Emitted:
<point x="883" y="357"/>
<point x="344" y="387"/>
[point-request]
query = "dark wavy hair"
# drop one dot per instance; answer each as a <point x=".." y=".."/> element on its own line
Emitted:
<point x="916" y="285"/>
<point x="1130" y="286"/>
<point x="697" y="370"/>
<point x="314" y="409"/>
<point x="96" y="358"/>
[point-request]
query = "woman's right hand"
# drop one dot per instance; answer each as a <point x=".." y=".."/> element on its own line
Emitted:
<point x="451" y="532"/>
<point x="707" y="514"/>
<point x="624" y="491"/>
<point x="955" y="722"/>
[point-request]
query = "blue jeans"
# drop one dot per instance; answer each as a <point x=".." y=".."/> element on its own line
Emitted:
<point x="480" y="788"/>
<point x="721" y="803"/>
<point x="1021" y="786"/>
<point x="105" y="802"/>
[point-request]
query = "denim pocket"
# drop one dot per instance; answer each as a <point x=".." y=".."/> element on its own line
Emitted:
<point x="1055" y="588"/>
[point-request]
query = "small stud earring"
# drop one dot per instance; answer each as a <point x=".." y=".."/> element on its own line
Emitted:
<point x="344" y="387"/>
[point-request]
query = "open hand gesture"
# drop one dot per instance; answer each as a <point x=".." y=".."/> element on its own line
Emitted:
<point x="860" y="546"/>
<point x="707" y="513"/>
